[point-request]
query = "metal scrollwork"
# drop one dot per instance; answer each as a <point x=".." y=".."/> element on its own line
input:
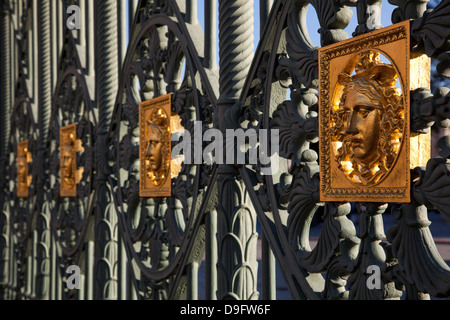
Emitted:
<point x="78" y="150"/>
<point x="71" y="106"/>
<point x="23" y="128"/>
<point x="70" y="160"/>
<point x="280" y="94"/>
<point x="156" y="230"/>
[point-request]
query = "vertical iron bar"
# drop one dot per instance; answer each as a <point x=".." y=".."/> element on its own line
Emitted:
<point x="210" y="34"/>
<point x="133" y="290"/>
<point x="55" y="7"/>
<point x="107" y="63"/>
<point x="55" y="48"/>
<point x="44" y="110"/>
<point x="59" y="283"/>
<point x="5" y="107"/>
<point x="192" y="281"/>
<point x="60" y="22"/>
<point x="235" y="48"/>
<point x="123" y="285"/>
<point x="264" y="11"/>
<point x="34" y="267"/>
<point x="89" y="270"/>
<point x="268" y="275"/>
<point x="33" y="58"/>
<point x="81" y="291"/>
<point x="191" y="11"/>
<point x="45" y="69"/>
<point x="53" y="269"/>
<point x="211" y="256"/>
<point x="13" y="267"/>
<point x="82" y="32"/>
<point x="29" y="276"/>
<point x="5" y="81"/>
<point x="236" y="216"/>
<point x="4" y="251"/>
<point x="90" y="38"/>
<point x="132" y="7"/>
<point x="14" y="49"/>
<point x="123" y="35"/>
<point x="268" y="263"/>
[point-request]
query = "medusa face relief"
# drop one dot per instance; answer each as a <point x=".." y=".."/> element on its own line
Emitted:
<point x="23" y="179"/>
<point x="67" y="161"/>
<point x="367" y="120"/>
<point x="157" y="149"/>
<point x="22" y="170"/>
<point x="366" y="149"/>
<point x="155" y="124"/>
<point x="154" y="150"/>
<point x="70" y="175"/>
<point x="362" y="125"/>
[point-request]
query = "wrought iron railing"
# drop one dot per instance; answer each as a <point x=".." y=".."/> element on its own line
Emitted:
<point x="102" y="240"/>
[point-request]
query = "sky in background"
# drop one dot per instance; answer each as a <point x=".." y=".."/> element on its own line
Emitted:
<point x="313" y="27"/>
<point x="312" y="21"/>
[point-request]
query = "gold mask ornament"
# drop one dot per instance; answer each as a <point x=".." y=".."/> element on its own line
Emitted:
<point x="366" y="148"/>
<point x="70" y="176"/>
<point x="155" y="147"/>
<point x="23" y="178"/>
<point x="368" y="122"/>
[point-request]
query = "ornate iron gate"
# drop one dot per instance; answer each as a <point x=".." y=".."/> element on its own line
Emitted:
<point x="73" y="223"/>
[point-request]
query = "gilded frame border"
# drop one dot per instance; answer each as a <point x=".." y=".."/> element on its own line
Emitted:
<point x="383" y="192"/>
<point x="146" y="189"/>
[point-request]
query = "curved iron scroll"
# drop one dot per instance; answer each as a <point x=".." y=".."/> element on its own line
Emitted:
<point x="21" y="209"/>
<point x="161" y="234"/>
<point x="281" y="94"/>
<point x="72" y="105"/>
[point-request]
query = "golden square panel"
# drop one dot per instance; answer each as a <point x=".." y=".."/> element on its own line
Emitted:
<point x="23" y="178"/>
<point x="70" y="175"/>
<point x="155" y="147"/>
<point x="366" y="148"/>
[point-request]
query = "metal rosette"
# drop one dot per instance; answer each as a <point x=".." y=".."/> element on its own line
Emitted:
<point x="72" y="106"/>
<point x="161" y="234"/>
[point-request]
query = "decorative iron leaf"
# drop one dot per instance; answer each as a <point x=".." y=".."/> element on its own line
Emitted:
<point x="433" y="185"/>
<point x="418" y="257"/>
<point x="432" y="37"/>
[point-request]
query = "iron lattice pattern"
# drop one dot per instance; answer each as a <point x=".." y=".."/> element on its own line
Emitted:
<point x="74" y="224"/>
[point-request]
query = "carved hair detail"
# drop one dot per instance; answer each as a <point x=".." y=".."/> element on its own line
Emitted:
<point x="377" y="81"/>
<point x="159" y="123"/>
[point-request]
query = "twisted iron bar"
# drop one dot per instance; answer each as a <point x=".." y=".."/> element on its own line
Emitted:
<point x="107" y="61"/>
<point x="236" y="46"/>
<point x="5" y="105"/>
<point x="45" y="67"/>
<point x="44" y="114"/>
<point x="107" y="86"/>
<point x="5" y="67"/>
<point x="237" y="265"/>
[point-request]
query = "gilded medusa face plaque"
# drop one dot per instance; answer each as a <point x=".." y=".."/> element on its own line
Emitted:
<point x="155" y="147"/>
<point x="23" y="178"/>
<point x="368" y="120"/>
<point x="69" y="174"/>
<point x="366" y="148"/>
